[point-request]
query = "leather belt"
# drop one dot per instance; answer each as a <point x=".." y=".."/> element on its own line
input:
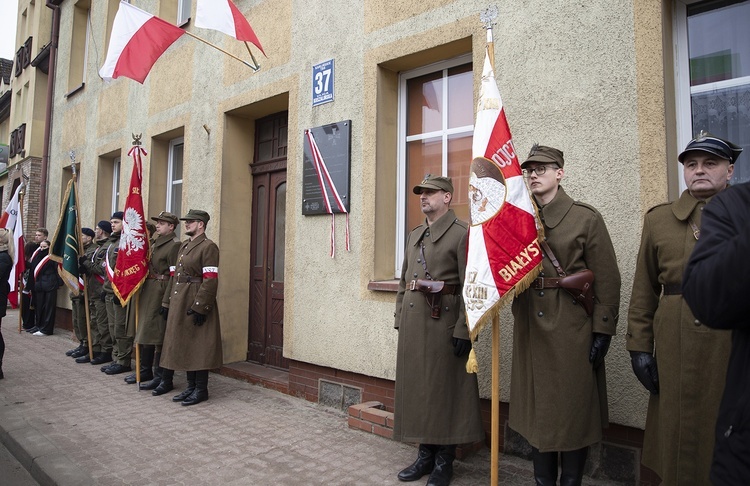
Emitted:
<point x="540" y="283"/>
<point x="155" y="276"/>
<point x="447" y="288"/>
<point x="672" y="289"/>
<point x="188" y="279"/>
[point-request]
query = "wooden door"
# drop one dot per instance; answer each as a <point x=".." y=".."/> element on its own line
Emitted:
<point x="266" y="333"/>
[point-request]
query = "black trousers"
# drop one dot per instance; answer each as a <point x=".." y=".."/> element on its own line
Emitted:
<point x="29" y="320"/>
<point x="45" y="306"/>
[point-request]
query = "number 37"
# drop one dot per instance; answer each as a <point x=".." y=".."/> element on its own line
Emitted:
<point x="322" y="80"/>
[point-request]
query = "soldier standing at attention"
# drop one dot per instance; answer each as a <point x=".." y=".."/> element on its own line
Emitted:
<point x="437" y="401"/>
<point x="558" y="392"/>
<point x="122" y="344"/>
<point x="95" y="267"/>
<point x="151" y="324"/>
<point x="692" y="359"/>
<point x="78" y="303"/>
<point x="192" y="341"/>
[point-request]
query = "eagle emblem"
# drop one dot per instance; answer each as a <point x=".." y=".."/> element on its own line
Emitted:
<point x="133" y="237"/>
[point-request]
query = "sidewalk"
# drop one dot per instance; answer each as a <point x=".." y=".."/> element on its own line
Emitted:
<point x="70" y="424"/>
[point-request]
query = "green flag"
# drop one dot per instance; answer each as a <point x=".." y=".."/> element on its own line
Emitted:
<point x="65" y="244"/>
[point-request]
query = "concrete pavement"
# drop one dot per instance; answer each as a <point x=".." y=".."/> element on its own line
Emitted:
<point x="70" y="424"/>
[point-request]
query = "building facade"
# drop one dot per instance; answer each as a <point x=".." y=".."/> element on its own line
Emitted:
<point x="620" y="86"/>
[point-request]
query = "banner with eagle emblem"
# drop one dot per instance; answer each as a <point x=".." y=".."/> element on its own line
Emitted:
<point x="131" y="268"/>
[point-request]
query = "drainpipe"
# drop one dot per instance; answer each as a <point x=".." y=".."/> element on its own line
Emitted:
<point x="54" y="5"/>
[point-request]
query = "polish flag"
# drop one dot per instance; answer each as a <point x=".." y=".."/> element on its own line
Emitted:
<point x="138" y="39"/>
<point x="12" y="221"/>
<point x="504" y="255"/>
<point x="224" y="16"/>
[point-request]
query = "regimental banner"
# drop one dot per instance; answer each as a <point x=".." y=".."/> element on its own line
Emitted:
<point x="503" y="248"/>
<point x="131" y="268"/>
<point x="66" y="241"/>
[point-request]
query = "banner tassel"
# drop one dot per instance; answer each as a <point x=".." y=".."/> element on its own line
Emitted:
<point x="471" y="364"/>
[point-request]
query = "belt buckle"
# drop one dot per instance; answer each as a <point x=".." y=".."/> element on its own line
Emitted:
<point x="538" y="283"/>
<point x="413" y="285"/>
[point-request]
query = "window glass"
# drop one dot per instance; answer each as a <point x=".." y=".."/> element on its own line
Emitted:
<point x="719" y="58"/>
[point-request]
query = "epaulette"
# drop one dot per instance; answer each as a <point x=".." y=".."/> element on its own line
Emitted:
<point x="668" y="203"/>
<point x="461" y="223"/>
<point x="587" y="206"/>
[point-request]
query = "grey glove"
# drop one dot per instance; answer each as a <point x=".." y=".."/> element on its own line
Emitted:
<point x="599" y="348"/>
<point x="644" y="367"/>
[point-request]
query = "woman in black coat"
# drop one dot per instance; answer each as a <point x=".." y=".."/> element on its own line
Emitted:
<point x="46" y="283"/>
<point x="27" y="310"/>
<point x="6" y="265"/>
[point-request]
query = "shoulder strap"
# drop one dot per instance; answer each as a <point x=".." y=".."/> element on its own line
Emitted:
<point x="551" y="256"/>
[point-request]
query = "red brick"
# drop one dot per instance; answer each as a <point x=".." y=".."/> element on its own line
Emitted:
<point x="389" y="421"/>
<point x="355" y="423"/>
<point x="374" y="415"/>
<point x="382" y="431"/>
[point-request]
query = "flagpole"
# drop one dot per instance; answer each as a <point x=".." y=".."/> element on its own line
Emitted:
<point x="80" y="253"/>
<point x="257" y="66"/>
<point x="19" y="278"/>
<point x="254" y="68"/>
<point x="488" y="18"/>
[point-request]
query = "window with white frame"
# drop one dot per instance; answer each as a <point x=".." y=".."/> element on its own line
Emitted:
<point x="116" y="184"/>
<point x="174" y="177"/>
<point x="183" y="11"/>
<point x="436" y="126"/>
<point x="713" y="74"/>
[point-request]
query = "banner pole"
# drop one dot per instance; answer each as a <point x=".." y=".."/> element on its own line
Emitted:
<point x="85" y="277"/>
<point x="135" y="345"/>
<point x="255" y="69"/>
<point x="495" y="422"/>
<point x="19" y="278"/>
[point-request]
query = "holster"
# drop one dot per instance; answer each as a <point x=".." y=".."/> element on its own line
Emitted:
<point x="581" y="286"/>
<point x="433" y="293"/>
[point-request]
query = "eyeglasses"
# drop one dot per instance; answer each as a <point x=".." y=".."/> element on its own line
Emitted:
<point x="539" y="169"/>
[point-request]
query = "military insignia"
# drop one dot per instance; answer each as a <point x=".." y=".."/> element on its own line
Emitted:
<point x="487" y="190"/>
<point x="426" y="178"/>
<point x="133" y="236"/>
<point x="702" y="135"/>
<point x="533" y="150"/>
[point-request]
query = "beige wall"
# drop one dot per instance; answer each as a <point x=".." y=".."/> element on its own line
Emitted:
<point x="590" y="81"/>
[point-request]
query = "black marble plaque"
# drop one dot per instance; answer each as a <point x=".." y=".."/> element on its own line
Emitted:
<point x="334" y="143"/>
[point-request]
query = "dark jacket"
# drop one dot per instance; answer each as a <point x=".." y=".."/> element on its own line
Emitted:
<point x="46" y="278"/>
<point x="6" y="265"/>
<point x="715" y="287"/>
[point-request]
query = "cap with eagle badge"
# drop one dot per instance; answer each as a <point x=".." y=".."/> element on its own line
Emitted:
<point x="196" y="215"/>
<point x="434" y="184"/>
<point x="705" y="142"/>
<point x="544" y="155"/>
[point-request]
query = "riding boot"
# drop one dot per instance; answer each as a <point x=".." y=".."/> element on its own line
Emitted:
<point x="573" y="464"/>
<point x="545" y="467"/>
<point x="189" y="390"/>
<point x="443" y="472"/>
<point x="147" y="362"/>
<point x="423" y="465"/>
<point x="200" y="394"/>
<point x="158" y="370"/>
<point x="166" y="383"/>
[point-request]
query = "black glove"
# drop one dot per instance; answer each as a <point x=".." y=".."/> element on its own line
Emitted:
<point x="116" y="301"/>
<point x="81" y="259"/>
<point x="164" y="312"/>
<point x="82" y="270"/>
<point x="103" y="296"/>
<point x="644" y="367"/>
<point x="461" y="347"/>
<point x="599" y="348"/>
<point x="198" y="318"/>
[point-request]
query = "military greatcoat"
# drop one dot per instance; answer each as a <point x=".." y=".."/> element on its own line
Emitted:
<point x="558" y="402"/>
<point x="188" y="347"/>
<point x="691" y="358"/>
<point x="151" y="324"/>
<point x="436" y="401"/>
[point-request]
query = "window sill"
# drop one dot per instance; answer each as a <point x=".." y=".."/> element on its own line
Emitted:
<point x="383" y="285"/>
<point x="75" y="90"/>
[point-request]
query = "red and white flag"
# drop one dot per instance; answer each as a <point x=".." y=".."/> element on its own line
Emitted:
<point x="503" y="249"/>
<point x="131" y="268"/>
<point x="224" y="16"/>
<point x="138" y="39"/>
<point x="12" y="220"/>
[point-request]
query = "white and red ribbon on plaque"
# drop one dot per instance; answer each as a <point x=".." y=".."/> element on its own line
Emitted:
<point x="324" y="177"/>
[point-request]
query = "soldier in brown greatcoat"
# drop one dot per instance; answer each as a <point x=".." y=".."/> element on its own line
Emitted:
<point x="692" y="359"/>
<point x="437" y="401"/>
<point x="151" y="323"/>
<point x="558" y="395"/>
<point x="192" y="341"/>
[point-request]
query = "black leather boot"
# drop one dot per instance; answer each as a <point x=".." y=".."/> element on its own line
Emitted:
<point x="423" y="465"/>
<point x="545" y="467"/>
<point x="100" y="358"/>
<point x="158" y="370"/>
<point x="190" y="387"/>
<point x="443" y="472"/>
<point x="166" y="383"/>
<point x="200" y="394"/>
<point x="147" y="363"/>
<point x="573" y="464"/>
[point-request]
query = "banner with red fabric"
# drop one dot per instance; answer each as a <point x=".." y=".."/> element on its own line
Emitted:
<point x="131" y="268"/>
<point x="504" y="255"/>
